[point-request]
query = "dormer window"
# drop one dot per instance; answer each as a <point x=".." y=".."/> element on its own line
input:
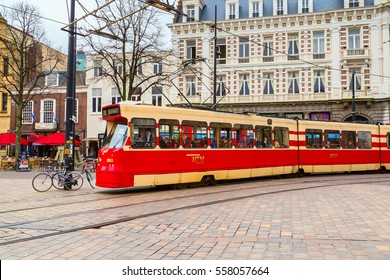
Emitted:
<point x="255" y="8"/>
<point x="190" y="13"/>
<point x="232" y="9"/>
<point x="305" y="6"/>
<point x="280" y="7"/>
<point x="192" y="9"/>
<point x="52" y="79"/>
<point x="353" y="3"/>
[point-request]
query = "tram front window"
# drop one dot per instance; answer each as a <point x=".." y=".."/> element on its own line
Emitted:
<point x="117" y="136"/>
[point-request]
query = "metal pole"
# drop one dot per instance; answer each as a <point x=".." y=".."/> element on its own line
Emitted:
<point x="353" y="97"/>
<point x="70" y="91"/>
<point x="215" y="61"/>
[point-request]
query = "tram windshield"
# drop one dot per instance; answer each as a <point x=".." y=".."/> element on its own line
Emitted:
<point x="117" y="136"/>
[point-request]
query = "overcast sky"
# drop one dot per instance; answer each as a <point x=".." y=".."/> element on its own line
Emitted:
<point x="57" y="10"/>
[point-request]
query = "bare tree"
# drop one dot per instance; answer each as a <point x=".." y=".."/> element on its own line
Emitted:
<point x="129" y="36"/>
<point x="26" y="60"/>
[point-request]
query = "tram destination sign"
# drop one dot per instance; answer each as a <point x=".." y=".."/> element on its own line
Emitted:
<point x="111" y="111"/>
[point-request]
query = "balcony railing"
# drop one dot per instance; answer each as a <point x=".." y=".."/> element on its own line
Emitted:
<point x="356" y="53"/>
<point x="268" y="58"/>
<point x="318" y="55"/>
<point x="293" y="57"/>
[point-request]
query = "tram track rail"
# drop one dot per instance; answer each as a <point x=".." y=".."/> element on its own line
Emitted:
<point x="96" y="225"/>
<point x="142" y="191"/>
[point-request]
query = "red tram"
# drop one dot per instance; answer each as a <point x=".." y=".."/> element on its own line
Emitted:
<point x="147" y="145"/>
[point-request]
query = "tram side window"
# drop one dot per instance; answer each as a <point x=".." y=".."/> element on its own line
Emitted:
<point x="388" y="140"/>
<point x="364" y="140"/>
<point x="169" y="134"/>
<point x="220" y="134"/>
<point x="194" y="134"/>
<point x="243" y="136"/>
<point x="281" y="137"/>
<point x="313" y="138"/>
<point x="263" y="135"/>
<point x="143" y="133"/>
<point x="348" y="139"/>
<point x="332" y="139"/>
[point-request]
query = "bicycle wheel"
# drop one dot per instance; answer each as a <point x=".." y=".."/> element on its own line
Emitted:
<point x="42" y="182"/>
<point x="76" y="179"/>
<point x="90" y="179"/>
<point x="58" y="180"/>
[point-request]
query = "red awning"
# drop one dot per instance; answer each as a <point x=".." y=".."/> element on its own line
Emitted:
<point x="9" y="138"/>
<point x="55" y="139"/>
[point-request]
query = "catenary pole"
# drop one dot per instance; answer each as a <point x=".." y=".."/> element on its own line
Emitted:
<point x="70" y="91"/>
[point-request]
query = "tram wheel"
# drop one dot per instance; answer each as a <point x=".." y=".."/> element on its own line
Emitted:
<point x="209" y="180"/>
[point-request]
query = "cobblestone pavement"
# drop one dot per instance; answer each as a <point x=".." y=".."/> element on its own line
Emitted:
<point x="334" y="217"/>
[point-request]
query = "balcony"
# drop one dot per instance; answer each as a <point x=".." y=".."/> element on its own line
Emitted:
<point x="46" y="126"/>
<point x="356" y="53"/>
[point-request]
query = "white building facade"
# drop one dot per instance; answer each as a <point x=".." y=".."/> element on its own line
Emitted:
<point x="102" y="91"/>
<point x="291" y="58"/>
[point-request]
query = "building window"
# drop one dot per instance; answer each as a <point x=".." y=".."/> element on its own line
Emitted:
<point x="97" y="69"/>
<point x="319" y="81"/>
<point x="115" y="96"/>
<point x="27" y="113"/>
<point x="243" y="50"/>
<point x="268" y="79"/>
<point x="244" y="84"/>
<point x="357" y="82"/>
<point x="354" y="38"/>
<point x="255" y="9"/>
<point x="221" y="85"/>
<point x="139" y="68"/>
<point x="52" y="79"/>
<point x="117" y="67"/>
<point x="190" y="86"/>
<point x="221" y="51"/>
<point x="280" y="7"/>
<point x="5" y="66"/>
<point x="4" y="102"/>
<point x="191" y="49"/>
<point x="318" y="45"/>
<point x="268" y="49"/>
<point x="48" y="114"/>
<point x="157" y="68"/>
<point x="293" y="52"/>
<point x="232" y="11"/>
<point x="305" y="6"/>
<point x="353" y="3"/>
<point x="96" y="100"/>
<point x="293" y="78"/>
<point x="157" y="93"/>
<point x="190" y="13"/>
<point x="136" y="96"/>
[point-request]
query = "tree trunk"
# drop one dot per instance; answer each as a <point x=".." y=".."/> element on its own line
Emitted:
<point x="18" y="128"/>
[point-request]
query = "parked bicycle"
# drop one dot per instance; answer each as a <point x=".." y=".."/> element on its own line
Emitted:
<point x="60" y="179"/>
<point x="43" y="181"/>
